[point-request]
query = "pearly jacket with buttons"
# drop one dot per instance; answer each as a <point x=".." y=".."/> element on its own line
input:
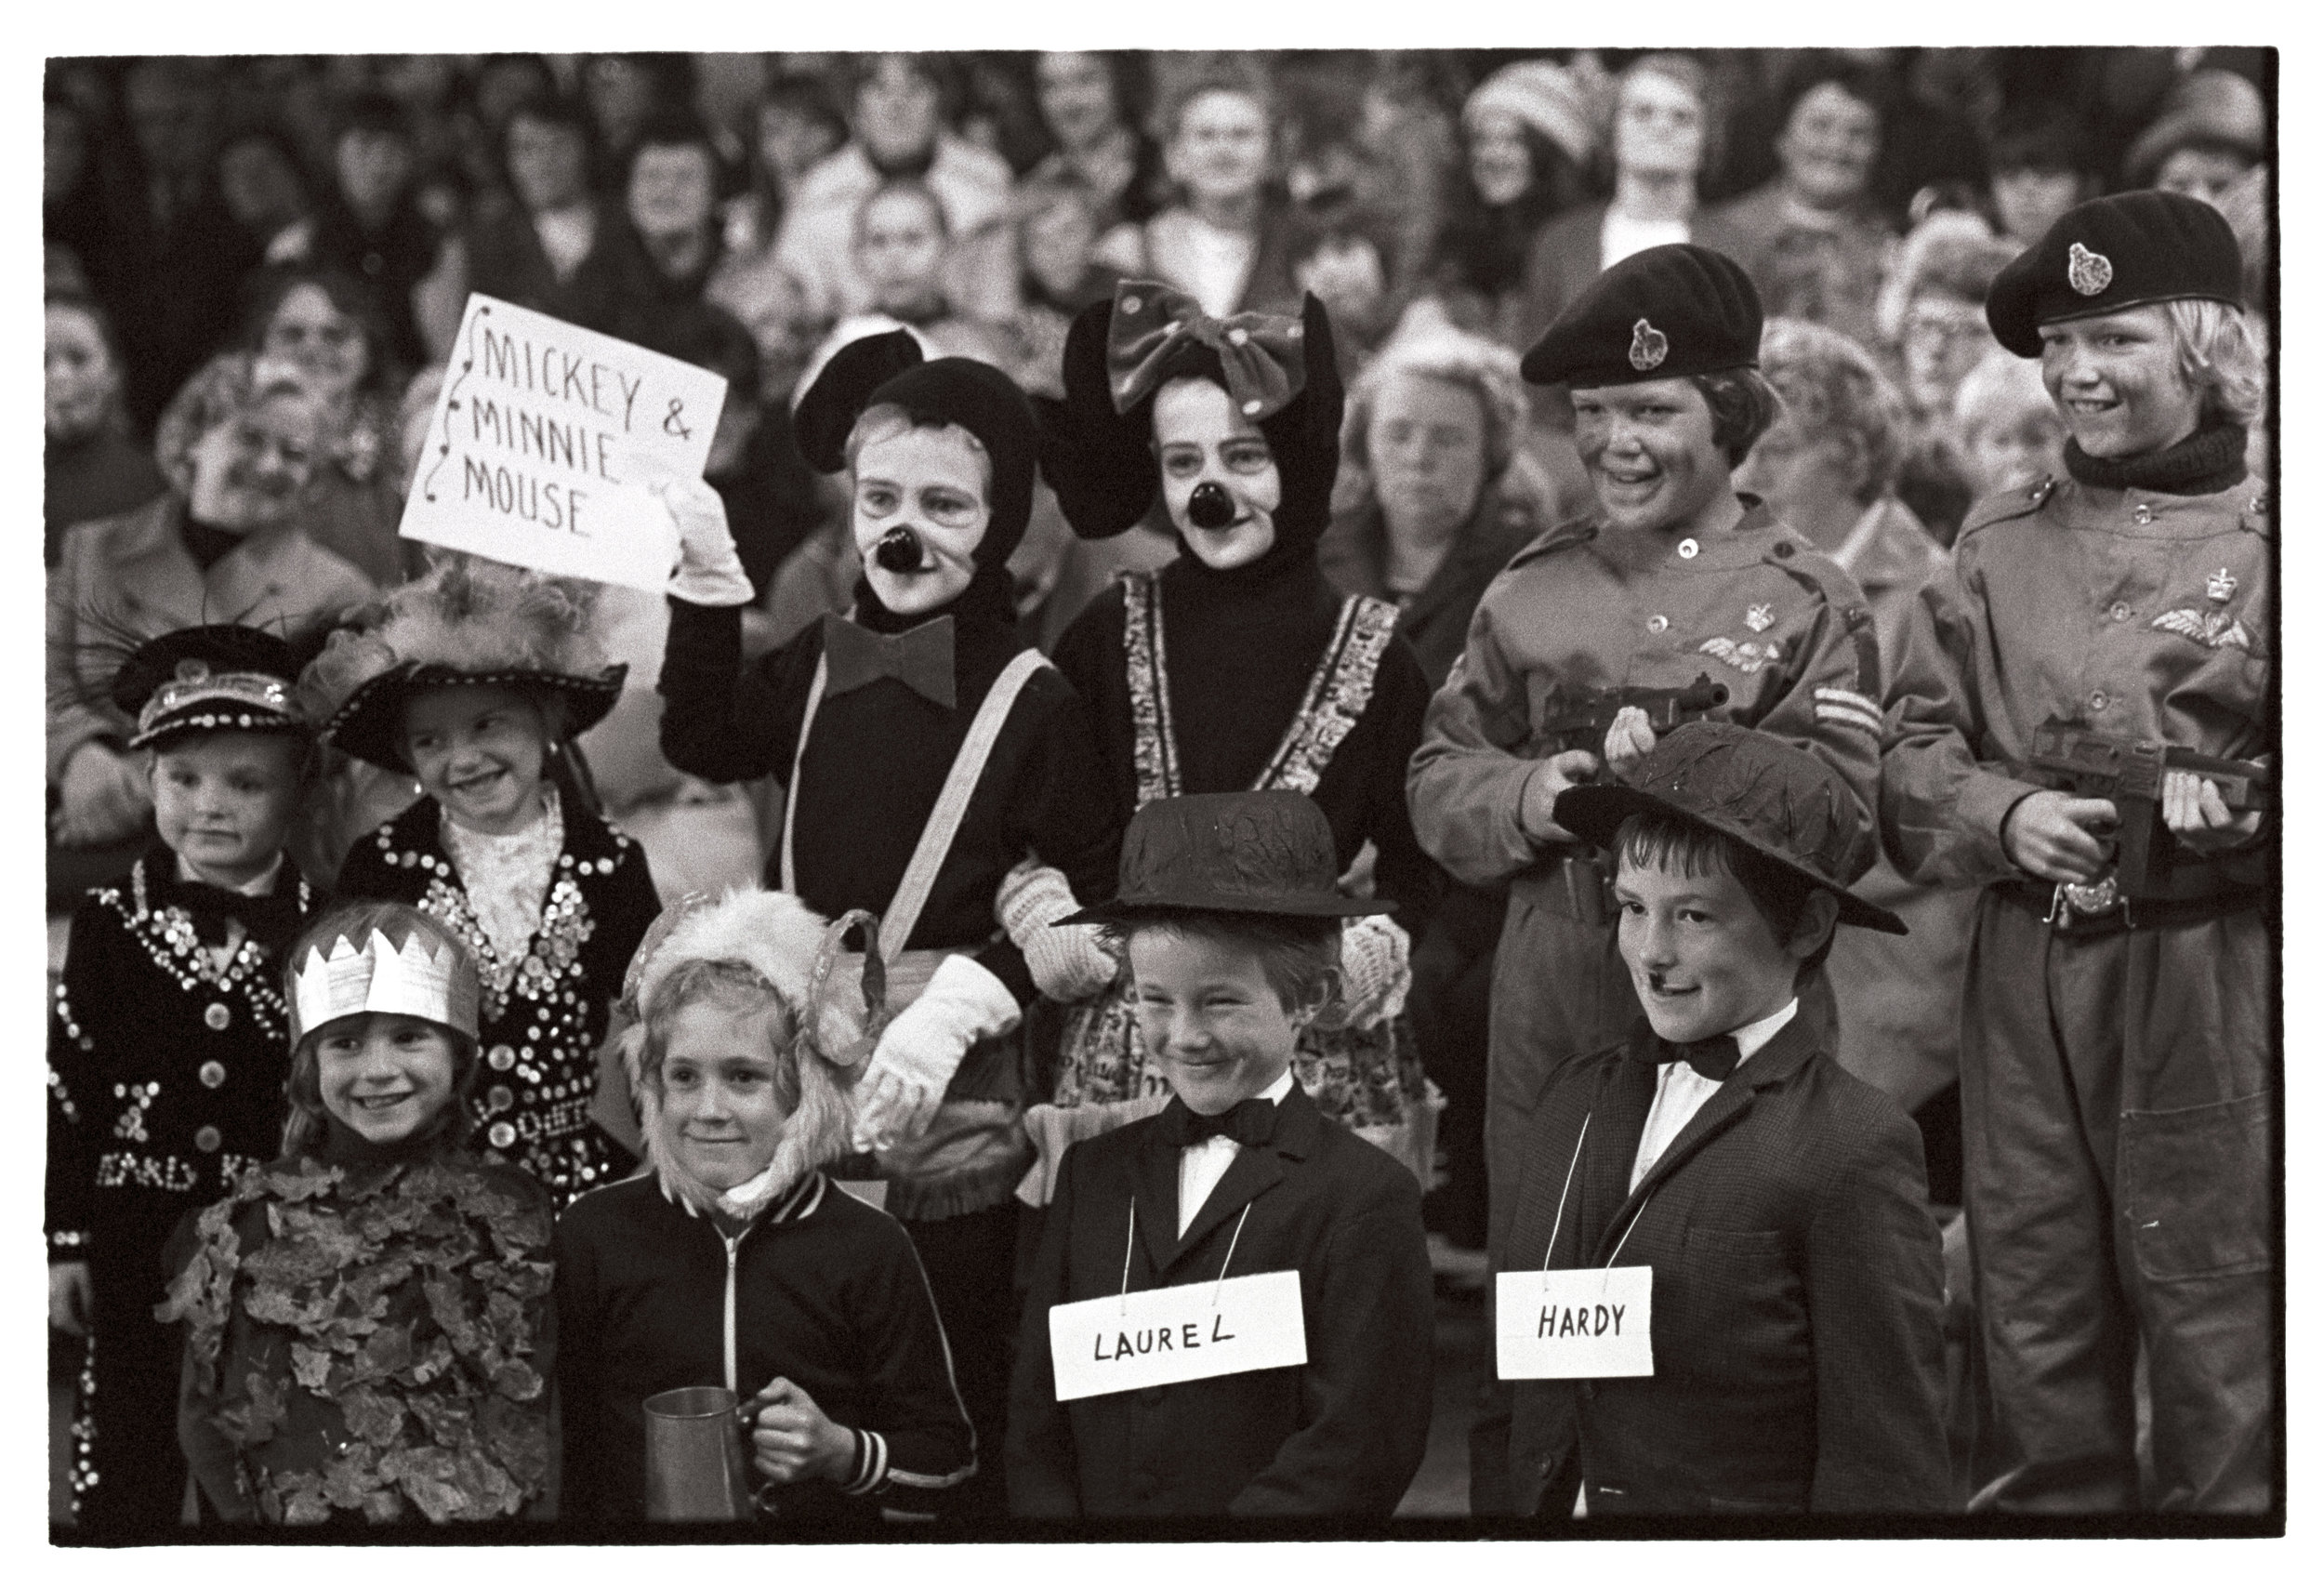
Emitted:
<point x="2139" y="613"/>
<point x="1754" y="608"/>
<point x="541" y="1017"/>
<point x="166" y="1066"/>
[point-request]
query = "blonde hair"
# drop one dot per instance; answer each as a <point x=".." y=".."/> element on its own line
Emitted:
<point x="2000" y="387"/>
<point x="1449" y="355"/>
<point x="1832" y="386"/>
<point x="881" y="422"/>
<point x="2217" y="354"/>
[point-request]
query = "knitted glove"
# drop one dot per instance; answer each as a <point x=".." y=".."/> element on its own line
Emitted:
<point x="905" y="1080"/>
<point x="1067" y="964"/>
<point x="710" y="570"/>
<point x="1375" y="970"/>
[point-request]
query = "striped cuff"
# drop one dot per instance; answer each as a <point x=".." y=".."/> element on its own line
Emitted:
<point x="870" y="1470"/>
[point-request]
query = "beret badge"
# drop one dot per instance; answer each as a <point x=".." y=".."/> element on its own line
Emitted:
<point x="1648" y="345"/>
<point x="2088" y="272"/>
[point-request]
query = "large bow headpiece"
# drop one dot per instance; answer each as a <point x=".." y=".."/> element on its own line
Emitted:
<point x="1260" y="353"/>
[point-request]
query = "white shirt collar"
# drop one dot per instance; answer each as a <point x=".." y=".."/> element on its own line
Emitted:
<point x="1274" y="1092"/>
<point x="1751" y="1037"/>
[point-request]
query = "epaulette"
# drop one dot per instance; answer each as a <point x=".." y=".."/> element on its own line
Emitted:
<point x="2015" y="504"/>
<point x="1570" y="533"/>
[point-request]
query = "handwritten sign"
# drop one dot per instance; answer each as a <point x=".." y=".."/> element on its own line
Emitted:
<point x="1177" y="1334"/>
<point x="544" y="439"/>
<point x="1574" y="1323"/>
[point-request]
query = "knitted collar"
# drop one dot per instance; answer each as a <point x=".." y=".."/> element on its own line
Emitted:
<point x="2209" y="460"/>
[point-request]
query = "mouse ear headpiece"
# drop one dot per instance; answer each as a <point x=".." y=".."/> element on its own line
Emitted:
<point x="844" y="390"/>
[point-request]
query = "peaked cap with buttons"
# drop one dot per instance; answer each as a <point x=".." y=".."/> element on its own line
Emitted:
<point x="1668" y="312"/>
<point x="2135" y="248"/>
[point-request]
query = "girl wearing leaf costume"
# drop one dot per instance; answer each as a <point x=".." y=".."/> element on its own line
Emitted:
<point x="369" y="1331"/>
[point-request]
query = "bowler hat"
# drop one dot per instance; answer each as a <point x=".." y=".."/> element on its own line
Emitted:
<point x="1229" y="853"/>
<point x="1669" y="311"/>
<point x="2135" y="248"/>
<point x="1775" y="799"/>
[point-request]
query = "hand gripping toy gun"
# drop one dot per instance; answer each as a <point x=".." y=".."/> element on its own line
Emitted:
<point x="2129" y="772"/>
<point x="1587" y="872"/>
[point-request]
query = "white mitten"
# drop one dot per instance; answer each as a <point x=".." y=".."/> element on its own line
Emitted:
<point x="1375" y="969"/>
<point x="710" y="570"/>
<point x="1067" y="964"/>
<point x="905" y="1080"/>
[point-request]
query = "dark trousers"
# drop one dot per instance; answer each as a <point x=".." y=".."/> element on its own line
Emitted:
<point x="1451" y="1012"/>
<point x="127" y="1474"/>
<point x="2119" y="1140"/>
<point x="971" y="1261"/>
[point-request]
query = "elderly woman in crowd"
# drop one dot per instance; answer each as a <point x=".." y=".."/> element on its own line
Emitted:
<point x="1828" y="464"/>
<point x="1662" y="144"/>
<point x="1527" y="133"/>
<point x="1435" y="499"/>
<point x="91" y="466"/>
<point x="1938" y="302"/>
<point x="1227" y="238"/>
<point x="226" y="536"/>
<point x="1810" y="238"/>
<point x="320" y="330"/>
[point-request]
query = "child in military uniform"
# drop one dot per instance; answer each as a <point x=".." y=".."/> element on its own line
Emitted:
<point x="2117" y="1073"/>
<point x="166" y="1044"/>
<point x="1779" y="1202"/>
<point x="472" y="681"/>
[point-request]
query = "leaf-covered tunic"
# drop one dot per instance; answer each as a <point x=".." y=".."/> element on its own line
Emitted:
<point x="370" y="1340"/>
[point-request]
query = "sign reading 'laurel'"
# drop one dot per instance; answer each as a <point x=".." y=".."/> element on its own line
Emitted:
<point x="544" y="439"/>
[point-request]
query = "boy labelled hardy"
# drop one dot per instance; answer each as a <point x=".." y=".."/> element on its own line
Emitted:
<point x="1781" y="1203"/>
<point x="1229" y="919"/>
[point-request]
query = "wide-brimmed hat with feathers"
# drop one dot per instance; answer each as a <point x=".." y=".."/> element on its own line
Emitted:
<point x="838" y="1015"/>
<point x="467" y="621"/>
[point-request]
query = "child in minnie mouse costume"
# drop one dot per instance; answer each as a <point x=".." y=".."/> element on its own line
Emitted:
<point x="1235" y="667"/>
<point x="925" y="753"/>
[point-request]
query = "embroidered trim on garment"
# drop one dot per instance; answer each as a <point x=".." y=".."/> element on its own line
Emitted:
<point x="1336" y="696"/>
<point x="1155" y="749"/>
<point x="507" y="877"/>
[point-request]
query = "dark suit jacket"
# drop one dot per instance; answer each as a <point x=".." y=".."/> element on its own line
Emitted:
<point x="1798" y="1356"/>
<point x="1342" y="1435"/>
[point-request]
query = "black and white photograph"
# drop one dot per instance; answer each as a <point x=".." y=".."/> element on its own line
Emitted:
<point x="1256" y="784"/>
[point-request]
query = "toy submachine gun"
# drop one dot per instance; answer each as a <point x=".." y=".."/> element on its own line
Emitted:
<point x="2129" y="772"/>
<point x="1588" y="873"/>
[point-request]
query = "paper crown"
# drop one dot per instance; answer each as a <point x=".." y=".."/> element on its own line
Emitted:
<point x="434" y="982"/>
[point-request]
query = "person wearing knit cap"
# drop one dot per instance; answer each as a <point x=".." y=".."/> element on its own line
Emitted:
<point x="166" y="1041"/>
<point x="1676" y="598"/>
<point x="2212" y="128"/>
<point x="734" y="1262"/>
<point x="1794" y="1314"/>
<point x="474" y="681"/>
<point x="925" y="753"/>
<point x="1234" y="667"/>
<point x="2118" y="1063"/>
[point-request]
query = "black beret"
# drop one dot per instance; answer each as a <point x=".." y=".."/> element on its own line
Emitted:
<point x="2131" y="250"/>
<point x="1668" y="312"/>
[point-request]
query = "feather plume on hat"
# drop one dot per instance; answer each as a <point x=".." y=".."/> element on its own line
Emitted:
<point x="468" y="620"/>
<point x="790" y="947"/>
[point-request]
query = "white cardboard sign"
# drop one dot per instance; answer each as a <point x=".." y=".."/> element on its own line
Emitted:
<point x="1574" y="1323"/>
<point x="1176" y="1334"/>
<point x="543" y="439"/>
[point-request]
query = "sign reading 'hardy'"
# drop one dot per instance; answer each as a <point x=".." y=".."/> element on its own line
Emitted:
<point x="544" y="439"/>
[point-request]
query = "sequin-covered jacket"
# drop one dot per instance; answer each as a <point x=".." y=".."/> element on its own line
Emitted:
<point x="165" y="1067"/>
<point x="542" y="1016"/>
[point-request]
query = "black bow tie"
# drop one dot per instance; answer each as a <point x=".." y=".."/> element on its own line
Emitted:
<point x="1715" y="1057"/>
<point x="1249" y="1123"/>
<point x="272" y="920"/>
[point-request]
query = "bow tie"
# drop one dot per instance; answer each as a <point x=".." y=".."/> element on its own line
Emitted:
<point x="1715" y="1058"/>
<point x="919" y="659"/>
<point x="1259" y="352"/>
<point x="270" y="920"/>
<point x="1249" y="1123"/>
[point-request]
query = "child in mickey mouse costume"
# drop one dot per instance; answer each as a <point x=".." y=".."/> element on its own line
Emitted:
<point x="1234" y="667"/>
<point x="925" y="753"/>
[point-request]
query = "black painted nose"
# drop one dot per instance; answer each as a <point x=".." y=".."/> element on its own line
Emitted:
<point x="1210" y="509"/>
<point x="899" y="553"/>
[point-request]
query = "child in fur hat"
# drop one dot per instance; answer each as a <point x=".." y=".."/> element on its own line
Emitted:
<point x="736" y="1262"/>
<point x="925" y="752"/>
<point x="473" y="678"/>
<point x="167" y="1042"/>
